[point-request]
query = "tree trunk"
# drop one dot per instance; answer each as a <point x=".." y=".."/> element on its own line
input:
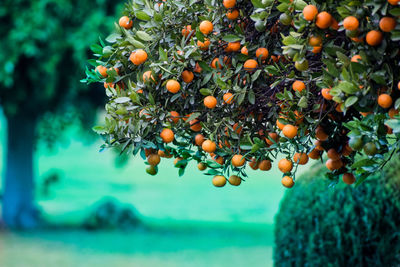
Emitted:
<point x="18" y="197"/>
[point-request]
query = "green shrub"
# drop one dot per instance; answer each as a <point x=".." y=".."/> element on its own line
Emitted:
<point x="319" y="225"/>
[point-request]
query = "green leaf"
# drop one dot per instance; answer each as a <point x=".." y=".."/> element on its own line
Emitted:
<point x="350" y="101"/>
<point x="121" y="100"/>
<point x="394" y="124"/>
<point x="251" y="97"/>
<point x="347" y="87"/>
<point x="231" y="38"/>
<point x="205" y="91"/>
<point x="144" y="36"/>
<point x="142" y="15"/>
<point x="303" y="102"/>
<point x="112" y="38"/>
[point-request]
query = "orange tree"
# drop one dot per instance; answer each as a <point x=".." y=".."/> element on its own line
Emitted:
<point x="226" y="83"/>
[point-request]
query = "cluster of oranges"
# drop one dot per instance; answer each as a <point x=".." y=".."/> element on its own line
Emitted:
<point x="183" y="110"/>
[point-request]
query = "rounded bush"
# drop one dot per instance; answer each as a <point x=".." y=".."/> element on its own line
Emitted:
<point x="318" y="225"/>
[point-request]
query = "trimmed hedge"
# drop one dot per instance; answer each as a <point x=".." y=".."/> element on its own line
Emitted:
<point x="319" y="225"/>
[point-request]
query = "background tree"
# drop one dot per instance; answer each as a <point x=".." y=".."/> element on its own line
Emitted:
<point x="43" y="48"/>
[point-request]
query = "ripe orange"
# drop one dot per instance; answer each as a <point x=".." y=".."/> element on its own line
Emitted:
<point x="102" y="70"/>
<point x="218" y="159"/>
<point x="262" y="52"/>
<point x="287" y="182"/>
<point x="392" y="112"/>
<point x="393" y="2"/>
<point x="254" y="164"/>
<point x="164" y="154"/>
<point x="173" y="86"/>
<point x="199" y="139"/>
<point x="351" y="23"/>
<point x="174" y="116"/>
<point x="138" y="57"/>
<point x="167" y="135"/>
<point x="317" y="49"/>
<point x="298" y="86"/>
<point x="201" y="166"/>
<point x="229" y="3"/>
<point x="235" y="180"/>
<point x="265" y="165"/>
<point x="187" y="30"/>
<point x="250" y="65"/>
<point x="187" y="76"/>
<point x="387" y="24"/>
<point x="385" y="101"/>
<point x="325" y="94"/>
<point x="285" y="165"/>
<point x="219" y="181"/>
<point x="228" y="98"/>
<point x="280" y="124"/>
<point x="333" y="154"/>
<point x="209" y="146"/>
<point x="358" y="39"/>
<point x="244" y="51"/>
<point x="315" y="41"/>
<point x="147" y="76"/>
<point x="320" y="134"/>
<point x="232" y="15"/>
<point x="206" y="27"/>
<point x="238" y="160"/>
<point x="177" y="160"/>
<point x="232" y="47"/>
<point x="335" y="24"/>
<point x="314" y="154"/>
<point x="125" y="22"/>
<point x="356" y="58"/>
<point x="374" y="38"/>
<point x="216" y="63"/>
<point x="300" y="158"/>
<point x="334" y="164"/>
<point x="153" y="159"/>
<point x="324" y="20"/>
<point x="195" y="125"/>
<point x="204" y="45"/>
<point x="310" y="12"/>
<point x="289" y="131"/>
<point x="210" y="102"/>
<point x="348" y="178"/>
<point x="273" y="136"/>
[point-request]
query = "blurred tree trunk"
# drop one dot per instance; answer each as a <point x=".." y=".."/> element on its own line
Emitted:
<point x="18" y="196"/>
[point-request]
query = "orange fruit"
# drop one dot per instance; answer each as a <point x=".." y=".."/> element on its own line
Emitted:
<point x="265" y="165"/>
<point x="244" y="51"/>
<point x="315" y="41"/>
<point x="357" y="39"/>
<point x="310" y="12"/>
<point x="250" y="65"/>
<point x="235" y="180"/>
<point x="324" y="20"/>
<point x="374" y="38"/>
<point x="164" y="154"/>
<point x="197" y="68"/>
<point x="273" y="136"/>
<point x="335" y="25"/>
<point x="317" y="49"/>
<point x="393" y="2"/>
<point x="210" y="102"/>
<point x="218" y="159"/>
<point x="187" y="30"/>
<point x="199" y="139"/>
<point x="177" y="160"/>
<point x="174" y="116"/>
<point x="254" y="164"/>
<point x="125" y="22"/>
<point x="334" y="164"/>
<point x="209" y="146"/>
<point x="392" y="112"/>
<point x="262" y="52"/>
<point x="219" y="181"/>
<point x="229" y="3"/>
<point x="238" y="160"/>
<point x="216" y="63"/>
<point x="289" y="131"/>
<point x="287" y="182"/>
<point x="102" y="70"/>
<point x="387" y="24"/>
<point x="167" y="135"/>
<point x="314" y="154"/>
<point x="300" y="158"/>
<point x="195" y="125"/>
<point x="325" y="94"/>
<point x="333" y="154"/>
<point x="348" y="178"/>
<point x="147" y="76"/>
<point x="201" y="166"/>
<point x="356" y="58"/>
<point x="351" y="23"/>
<point x="232" y="14"/>
<point x="228" y="98"/>
<point x="385" y="101"/>
<point x="187" y="76"/>
<point x="204" y="45"/>
<point x="153" y="159"/>
<point x="280" y="124"/>
<point x="206" y="27"/>
<point x="398" y="86"/>
<point x="298" y="86"/>
<point x="285" y="165"/>
<point x="320" y="134"/>
<point x="173" y="86"/>
<point x="232" y="47"/>
<point x="138" y="57"/>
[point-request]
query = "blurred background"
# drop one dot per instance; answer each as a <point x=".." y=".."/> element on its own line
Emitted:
<point x="63" y="203"/>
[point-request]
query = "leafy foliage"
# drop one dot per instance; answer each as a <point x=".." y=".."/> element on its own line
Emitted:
<point x="340" y="226"/>
<point x="337" y="107"/>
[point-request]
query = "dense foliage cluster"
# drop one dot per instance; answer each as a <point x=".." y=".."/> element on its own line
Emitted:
<point x="225" y="82"/>
<point x="341" y="226"/>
